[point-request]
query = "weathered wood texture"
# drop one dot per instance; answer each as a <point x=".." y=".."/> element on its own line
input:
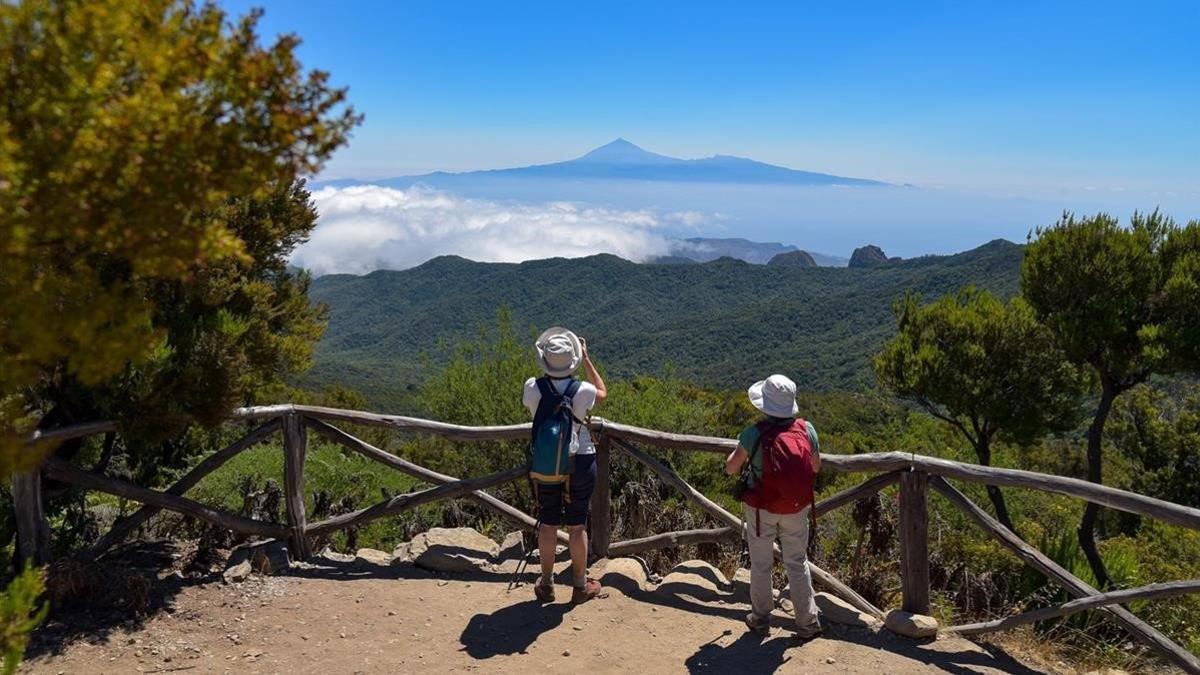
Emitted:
<point x="352" y="442"/>
<point x="865" y="463"/>
<point x="914" y="542"/>
<point x="1148" y="592"/>
<point x="295" y="452"/>
<point x="454" y="432"/>
<point x="413" y="499"/>
<point x="852" y="494"/>
<point x="673" y="539"/>
<point x="1075" y="586"/>
<point x="121" y="529"/>
<point x="71" y="432"/>
<point x="33" y="530"/>
<point x="601" y="517"/>
<point x="670" y="477"/>
<point x="61" y="470"/>
<point x="891" y="461"/>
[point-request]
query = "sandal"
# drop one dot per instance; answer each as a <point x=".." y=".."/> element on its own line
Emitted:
<point x="544" y="592"/>
<point x="589" y="590"/>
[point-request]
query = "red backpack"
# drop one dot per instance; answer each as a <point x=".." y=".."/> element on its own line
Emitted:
<point x="788" y="480"/>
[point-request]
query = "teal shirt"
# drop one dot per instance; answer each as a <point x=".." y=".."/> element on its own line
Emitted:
<point x="749" y="437"/>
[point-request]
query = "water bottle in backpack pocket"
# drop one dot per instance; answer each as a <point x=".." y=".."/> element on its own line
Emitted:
<point x="552" y="443"/>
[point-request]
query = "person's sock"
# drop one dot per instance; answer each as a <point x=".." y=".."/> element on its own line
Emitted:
<point x="547" y="579"/>
<point x="581" y="581"/>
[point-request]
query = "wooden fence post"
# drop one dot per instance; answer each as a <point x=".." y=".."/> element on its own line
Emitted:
<point x="602" y="498"/>
<point x="914" y="541"/>
<point x="295" y="447"/>
<point x="33" y="530"/>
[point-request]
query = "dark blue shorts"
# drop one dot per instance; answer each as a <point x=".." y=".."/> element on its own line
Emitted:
<point x="554" y="509"/>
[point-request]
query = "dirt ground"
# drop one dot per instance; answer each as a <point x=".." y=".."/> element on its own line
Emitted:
<point x="346" y="618"/>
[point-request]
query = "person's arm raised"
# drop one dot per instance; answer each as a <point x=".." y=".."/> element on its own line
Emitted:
<point x="593" y="375"/>
<point x="735" y="460"/>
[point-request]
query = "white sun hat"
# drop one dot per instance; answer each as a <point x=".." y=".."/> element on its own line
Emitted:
<point x="775" y="396"/>
<point x="558" y="351"/>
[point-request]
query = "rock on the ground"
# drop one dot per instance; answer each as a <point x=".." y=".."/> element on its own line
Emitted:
<point x="459" y="549"/>
<point x="334" y="556"/>
<point x="624" y="574"/>
<point x="837" y="610"/>
<point x="868" y="256"/>
<point x="512" y="547"/>
<point x="264" y="557"/>
<point x="237" y="573"/>
<point x="402" y="554"/>
<point x="370" y="556"/>
<point x="695" y="576"/>
<point x="911" y="625"/>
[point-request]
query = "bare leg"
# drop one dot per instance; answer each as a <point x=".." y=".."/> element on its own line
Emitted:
<point x="547" y="544"/>
<point x="579" y="546"/>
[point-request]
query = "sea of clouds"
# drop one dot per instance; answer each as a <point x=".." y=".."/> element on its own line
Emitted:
<point x="366" y="227"/>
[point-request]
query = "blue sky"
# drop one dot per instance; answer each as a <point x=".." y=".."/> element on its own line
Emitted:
<point x="995" y="96"/>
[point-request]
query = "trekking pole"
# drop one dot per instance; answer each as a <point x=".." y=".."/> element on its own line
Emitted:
<point x="524" y="564"/>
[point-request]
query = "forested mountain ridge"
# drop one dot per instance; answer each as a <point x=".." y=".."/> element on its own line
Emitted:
<point x="722" y="323"/>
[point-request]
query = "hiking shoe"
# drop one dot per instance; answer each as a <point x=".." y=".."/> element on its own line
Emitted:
<point x="589" y="590"/>
<point x="758" y="624"/>
<point x="544" y="592"/>
<point x="810" y="631"/>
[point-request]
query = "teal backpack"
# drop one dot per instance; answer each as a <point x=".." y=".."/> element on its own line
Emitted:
<point x="550" y="459"/>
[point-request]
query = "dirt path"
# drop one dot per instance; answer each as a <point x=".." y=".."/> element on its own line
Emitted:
<point x="341" y="618"/>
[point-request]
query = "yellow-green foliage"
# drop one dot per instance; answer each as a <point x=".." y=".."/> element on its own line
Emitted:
<point x="124" y="127"/>
<point x="20" y="613"/>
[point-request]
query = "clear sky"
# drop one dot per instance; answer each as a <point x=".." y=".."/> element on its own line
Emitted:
<point x="1036" y="95"/>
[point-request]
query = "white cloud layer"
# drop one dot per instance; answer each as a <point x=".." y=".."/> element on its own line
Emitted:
<point x="366" y="227"/>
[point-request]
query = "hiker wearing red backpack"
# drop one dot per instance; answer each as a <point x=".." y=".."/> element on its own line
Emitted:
<point x="778" y="459"/>
<point x="562" y="457"/>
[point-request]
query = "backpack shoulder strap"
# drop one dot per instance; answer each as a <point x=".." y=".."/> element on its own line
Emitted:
<point x="545" y="387"/>
<point x="572" y="389"/>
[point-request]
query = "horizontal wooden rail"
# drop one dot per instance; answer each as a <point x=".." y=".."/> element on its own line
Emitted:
<point x="120" y="529"/>
<point x="454" y="432"/>
<point x="61" y="470"/>
<point x="673" y="539"/>
<point x="410" y="500"/>
<point x="1168" y="512"/>
<point x="1148" y="592"/>
<point x="402" y="465"/>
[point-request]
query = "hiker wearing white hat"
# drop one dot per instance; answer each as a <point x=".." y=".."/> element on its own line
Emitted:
<point x="778" y="459"/>
<point x="564" y="492"/>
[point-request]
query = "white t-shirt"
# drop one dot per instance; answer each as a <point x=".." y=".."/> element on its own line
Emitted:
<point x="583" y="401"/>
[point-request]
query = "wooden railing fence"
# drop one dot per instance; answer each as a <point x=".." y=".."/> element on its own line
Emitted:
<point x="915" y="474"/>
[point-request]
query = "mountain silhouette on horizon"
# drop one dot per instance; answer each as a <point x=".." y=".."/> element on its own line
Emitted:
<point x="622" y="160"/>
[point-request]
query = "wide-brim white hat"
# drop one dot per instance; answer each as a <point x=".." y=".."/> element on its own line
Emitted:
<point x="558" y="351"/>
<point x="775" y="396"/>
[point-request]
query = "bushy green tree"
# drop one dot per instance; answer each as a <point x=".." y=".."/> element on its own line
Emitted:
<point x="985" y="367"/>
<point x="1120" y="300"/>
<point x="125" y="130"/>
<point x="1159" y="431"/>
<point x="232" y="332"/>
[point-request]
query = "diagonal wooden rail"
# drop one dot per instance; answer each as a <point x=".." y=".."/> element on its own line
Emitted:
<point x="914" y="473"/>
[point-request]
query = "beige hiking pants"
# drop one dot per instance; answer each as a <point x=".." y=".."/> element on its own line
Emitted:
<point x="792" y="530"/>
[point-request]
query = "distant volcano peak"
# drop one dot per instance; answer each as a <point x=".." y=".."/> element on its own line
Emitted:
<point x="621" y="151"/>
